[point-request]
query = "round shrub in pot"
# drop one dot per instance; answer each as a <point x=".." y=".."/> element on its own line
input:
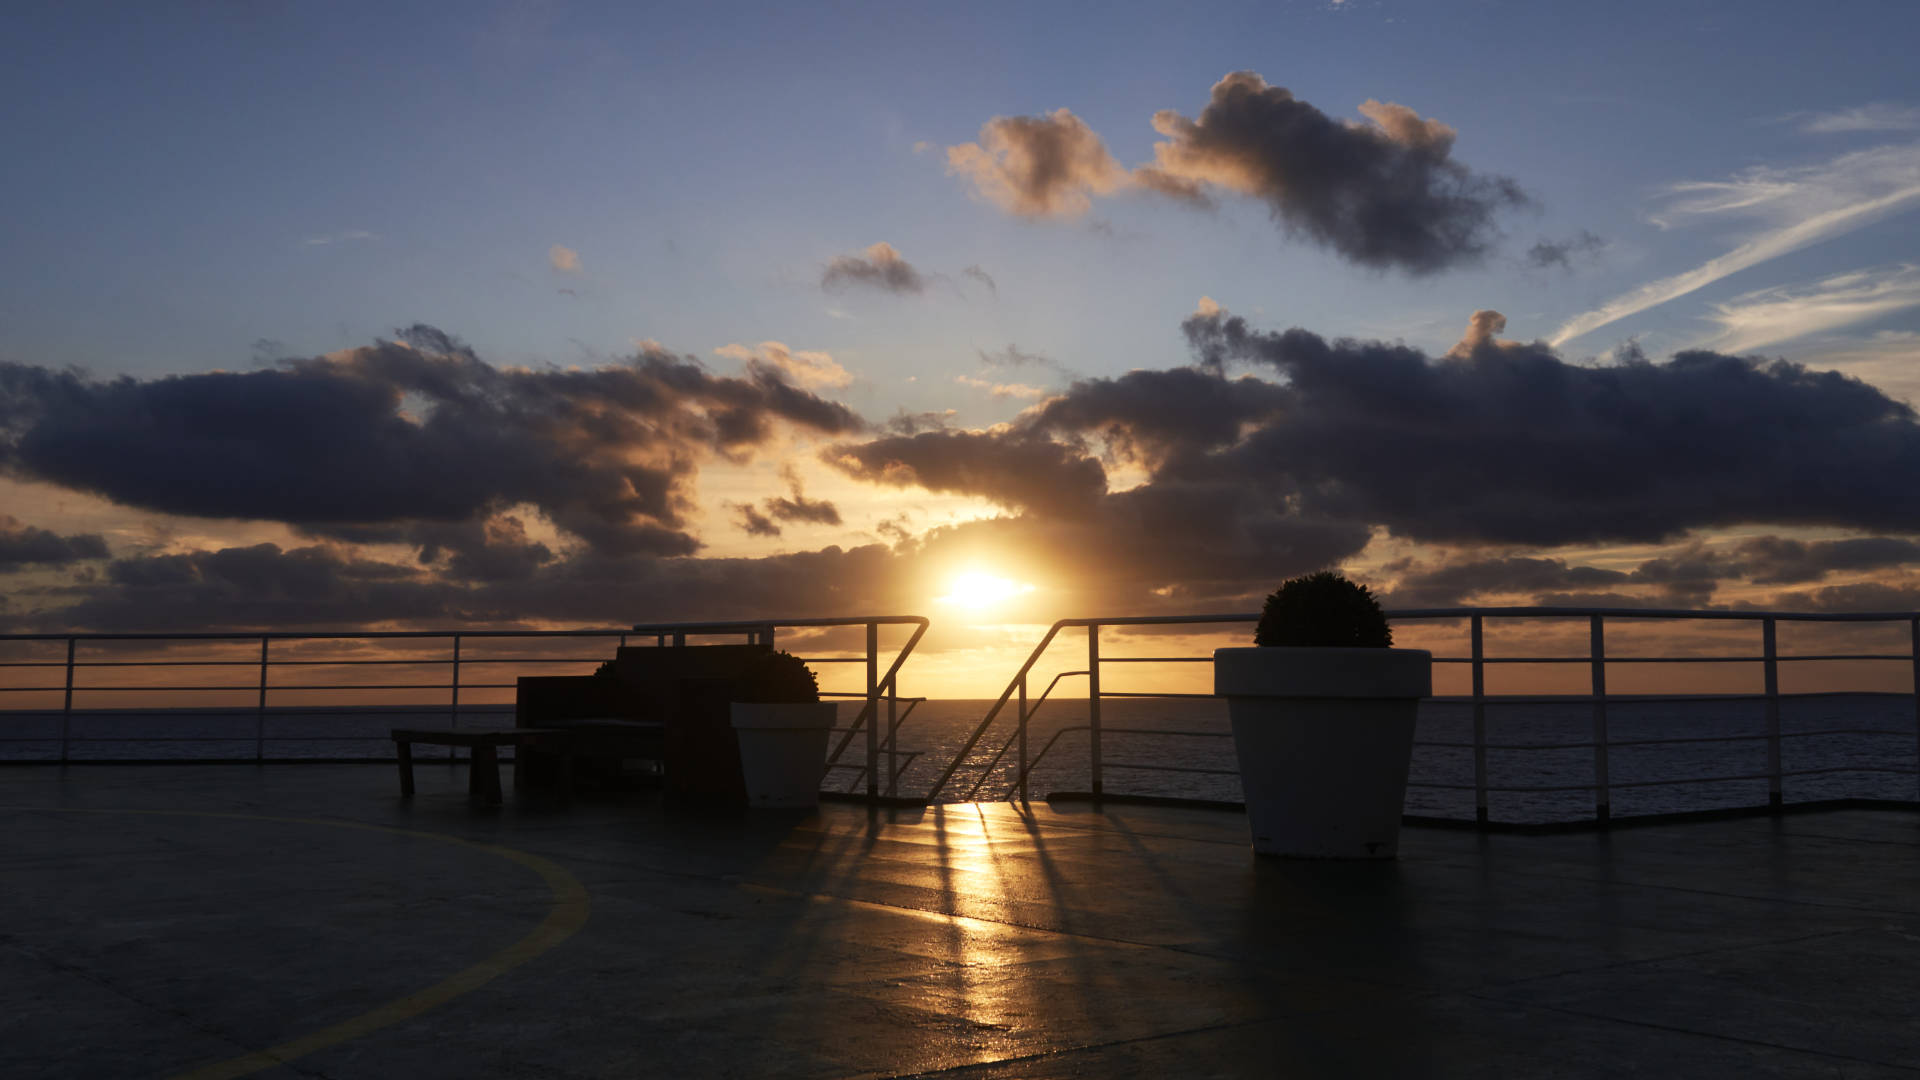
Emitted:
<point x="782" y="726"/>
<point x="1323" y="712"/>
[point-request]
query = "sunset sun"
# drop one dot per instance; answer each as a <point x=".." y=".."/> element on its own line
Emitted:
<point x="977" y="590"/>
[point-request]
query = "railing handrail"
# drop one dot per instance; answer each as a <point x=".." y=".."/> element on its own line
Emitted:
<point x="1597" y="658"/>
<point x="757" y="631"/>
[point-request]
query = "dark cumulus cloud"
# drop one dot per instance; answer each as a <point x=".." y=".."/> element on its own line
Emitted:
<point x="366" y="443"/>
<point x="322" y="586"/>
<point x="1505" y="442"/>
<point x="878" y="267"/>
<point x="1386" y="193"/>
<point x="794" y="506"/>
<point x="1019" y="471"/>
<point x="23" y="545"/>
<point x="755" y="523"/>
<point x="1774" y="560"/>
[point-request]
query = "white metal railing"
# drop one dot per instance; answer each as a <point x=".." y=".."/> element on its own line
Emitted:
<point x="78" y="661"/>
<point x="1596" y="659"/>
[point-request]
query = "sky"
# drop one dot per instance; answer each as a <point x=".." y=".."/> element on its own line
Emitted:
<point x="569" y="314"/>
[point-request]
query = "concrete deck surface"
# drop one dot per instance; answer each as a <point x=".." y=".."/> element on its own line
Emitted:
<point x="166" y="921"/>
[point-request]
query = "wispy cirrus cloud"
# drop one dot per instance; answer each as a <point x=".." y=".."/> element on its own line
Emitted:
<point x="1796" y="207"/>
<point x="349" y="236"/>
<point x="1002" y="390"/>
<point x="1784" y="313"/>
<point x="1874" y="116"/>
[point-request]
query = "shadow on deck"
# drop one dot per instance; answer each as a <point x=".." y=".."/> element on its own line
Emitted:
<point x="161" y="920"/>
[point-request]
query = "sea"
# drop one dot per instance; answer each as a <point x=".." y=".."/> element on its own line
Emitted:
<point x="1663" y="757"/>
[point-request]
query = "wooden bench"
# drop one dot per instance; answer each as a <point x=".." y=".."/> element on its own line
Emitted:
<point x="483" y="778"/>
<point x="591" y="737"/>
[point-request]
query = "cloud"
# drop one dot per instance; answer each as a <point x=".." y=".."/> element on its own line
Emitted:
<point x="1385" y="194"/>
<point x="1001" y="390"/>
<point x="1452" y="584"/>
<point x="1877" y="116"/>
<point x="1021" y="472"/>
<point x="1561" y="253"/>
<point x="1482" y="332"/>
<point x="1013" y="357"/>
<point x="1507" y="443"/>
<point x="1038" y="166"/>
<point x="983" y="278"/>
<point x="347" y="237"/>
<point x="23" y="545"/>
<point x="1783" y="313"/>
<point x="327" y="444"/>
<point x="322" y="587"/>
<point x="795" y="506"/>
<point x="1797" y="207"/>
<point x="1773" y="560"/>
<point x="809" y="368"/>
<point x="489" y="549"/>
<point x="754" y="522"/>
<point x="1165" y="420"/>
<point x="878" y="267"/>
<point x="564" y="259"/>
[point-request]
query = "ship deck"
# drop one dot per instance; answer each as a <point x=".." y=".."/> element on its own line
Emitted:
<point x="305" y="921"/>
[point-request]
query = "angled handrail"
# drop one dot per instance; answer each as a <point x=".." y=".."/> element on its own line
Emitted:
<point x="1596" y="659"/>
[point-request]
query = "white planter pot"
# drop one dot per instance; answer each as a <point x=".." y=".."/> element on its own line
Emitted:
<point x="783" y="751"/>
<point x="1324" y="737"/>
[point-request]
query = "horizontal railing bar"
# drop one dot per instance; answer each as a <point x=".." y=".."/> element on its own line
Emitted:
<point x="1649" y="614"/>
<point x="1155" y="660"/>
<point x="1143" y="694"/>
<point x="1669" y="783"/>
<point x="1667" y="742"/>
<point x="735" y="626"/>
<point x="294" y="635"/>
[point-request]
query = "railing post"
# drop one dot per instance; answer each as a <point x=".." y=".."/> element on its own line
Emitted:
<point x="873" y="712"/>
<point x="453" y="696"/>
<point x="1023" y="737"/>
<point x="1479" y="724"/>
<point x="260" y="707"/>
<point x="1769" y="649"/>
<point x="66" y="710"/>
<point x="1597" y="654"/>
<point x="1093" y="704"/>
<point x="893" y="750"/>
<point x="1916" y="701"/>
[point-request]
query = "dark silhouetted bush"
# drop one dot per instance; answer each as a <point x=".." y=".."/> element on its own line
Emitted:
<point x="1323" y="609"/>
<point x="778" y="678"/>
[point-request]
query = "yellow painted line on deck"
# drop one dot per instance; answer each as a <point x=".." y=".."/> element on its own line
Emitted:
<point x="568" y="915"/>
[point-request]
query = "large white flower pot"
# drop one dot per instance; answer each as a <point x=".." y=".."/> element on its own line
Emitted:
<point x="1324" y="737"/>
<point x="783" y="751"/>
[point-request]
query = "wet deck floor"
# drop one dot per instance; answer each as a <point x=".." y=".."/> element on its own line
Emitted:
<point x="163" y="921"/>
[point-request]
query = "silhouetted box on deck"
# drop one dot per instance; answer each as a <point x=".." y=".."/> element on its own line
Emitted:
<point x="688" y="688"/>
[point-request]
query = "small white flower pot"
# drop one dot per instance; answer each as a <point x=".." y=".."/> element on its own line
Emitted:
<point x="1324" y="737"/>
<point x="783" y="751"/>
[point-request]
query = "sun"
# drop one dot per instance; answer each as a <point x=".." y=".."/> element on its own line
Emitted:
<point x="976" y="590"/>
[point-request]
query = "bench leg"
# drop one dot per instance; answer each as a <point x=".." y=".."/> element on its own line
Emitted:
<point x="483" y="781"/>
<point x="406" y="769"/>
